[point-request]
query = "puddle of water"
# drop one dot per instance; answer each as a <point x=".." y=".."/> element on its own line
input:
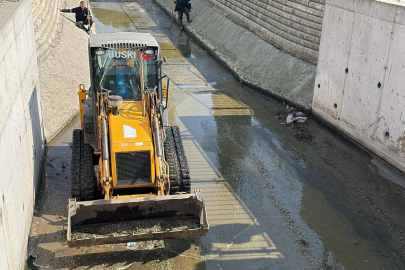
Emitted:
<point x="167" y="46"/>
<point x="102" y="28"/>
<point x="177" y="51"/>
<point x="30" y="264"/>
<point x="184" y="49"/>
<point x="115" y="18"/>
<point x="109" y="20"/>
<point x="343" y="246"/>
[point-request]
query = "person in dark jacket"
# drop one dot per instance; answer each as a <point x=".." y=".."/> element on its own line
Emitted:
<point x="82" y="14"/>
<point x="123" y="80"/>
<point x="183" y="6"/>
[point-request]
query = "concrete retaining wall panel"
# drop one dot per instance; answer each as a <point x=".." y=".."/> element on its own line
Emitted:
<point x="14" y="131"/>
<point x="17" y="211"/>
<point x="345" y="4"/>
<point x="333" y="60"/>
<point x="6" y="170"/>
<point x="367" y="62"/>
<point x="370" y="45"/>
<point x="35" y="133"/>
<point x="392" y="114"/>
<point x="6" y="35"/>
<point x="396" y="60"/>
<point x="7" y="240"/>
<point x="21" y="131"/>
<point x="28" y="81"/>
<point x="20" y="18"/>
<point x="372" y="115"/>
<point x="3" y="247"/>
<point x="361" y="103"/>
<point x="11" y="83"/>
<point x="391" y="119"/>
<point x="400" y="15"/>
<point x="375" y="9"/>
<point x="24" y="50"/>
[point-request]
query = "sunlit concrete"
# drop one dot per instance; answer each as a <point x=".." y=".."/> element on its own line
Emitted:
<point x="21" y="131"/>
<point x="361" y="74"/>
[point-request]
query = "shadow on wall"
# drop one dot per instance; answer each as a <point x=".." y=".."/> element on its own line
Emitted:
<point x="38" y="139"/>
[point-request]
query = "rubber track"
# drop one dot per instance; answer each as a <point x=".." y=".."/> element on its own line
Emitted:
<point x="171" y="158"/>
<point x="87" y="191"/>
<point x="185" y="185"/>
<point x="75" y="164"/>
<point x="82" y="171"/>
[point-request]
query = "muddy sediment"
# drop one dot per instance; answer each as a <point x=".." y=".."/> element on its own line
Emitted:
<point x="134" y="227"/>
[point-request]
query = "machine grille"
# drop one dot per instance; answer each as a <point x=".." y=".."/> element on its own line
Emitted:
<point x="133" y="168"/>
<point x="122" y="45"/>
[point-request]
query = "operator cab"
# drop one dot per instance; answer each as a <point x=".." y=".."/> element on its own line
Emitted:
<point x="122" y="62"/>
<point x="119" y="71"/>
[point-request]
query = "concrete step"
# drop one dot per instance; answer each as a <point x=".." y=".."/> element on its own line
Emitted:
<point x="310" y="4"/>
<point x="37" y="9"/>
<point x="301" y="7"/>
<point x="293" y="24"/>
<point x="273" y="26"/>
<point x="287" y="19"/>
<point x="279" y="41"/>
<point x="291" y="13"/>
<point x="48" y="16"/>
<point x="35" y="4"/>
<point x="319" y="1"/>
<point x="46" y="24"/>
<point x="43" y="47"/>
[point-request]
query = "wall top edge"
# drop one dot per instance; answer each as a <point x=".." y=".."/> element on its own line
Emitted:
<point x="393" y="2"/>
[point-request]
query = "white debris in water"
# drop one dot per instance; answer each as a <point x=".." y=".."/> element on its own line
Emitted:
<point x="289" y="119"/>
<point x="299" y="118"/>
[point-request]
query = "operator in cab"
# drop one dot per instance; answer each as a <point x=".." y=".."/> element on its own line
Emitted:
<point x="123" y="80"/>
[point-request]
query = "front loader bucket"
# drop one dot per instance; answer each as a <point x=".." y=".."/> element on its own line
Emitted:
<point x="137" y="219"/>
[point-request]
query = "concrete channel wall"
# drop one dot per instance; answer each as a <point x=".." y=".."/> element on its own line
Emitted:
<point x="360" y="81"/>
<point x="293" y="25"/>
<point x="21" y="131"/>
<point x="244" y="44"/>
<point x="63" y="62"/>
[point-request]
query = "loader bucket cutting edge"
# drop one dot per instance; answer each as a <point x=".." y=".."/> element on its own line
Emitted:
<point x="137" y="219"/>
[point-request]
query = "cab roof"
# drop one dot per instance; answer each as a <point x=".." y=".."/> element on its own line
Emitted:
<point x="122" y="40"/>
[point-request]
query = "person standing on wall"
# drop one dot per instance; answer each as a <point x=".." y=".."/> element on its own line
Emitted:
<point x="82" y="14"/>
<point x="183" y="6"/>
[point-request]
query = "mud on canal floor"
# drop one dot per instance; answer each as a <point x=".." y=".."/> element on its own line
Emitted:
<point x="134" y="227"/>
<point x="275" y="199"/>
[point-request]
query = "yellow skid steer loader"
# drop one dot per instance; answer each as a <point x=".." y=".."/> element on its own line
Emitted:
<point x="130" y="176"/>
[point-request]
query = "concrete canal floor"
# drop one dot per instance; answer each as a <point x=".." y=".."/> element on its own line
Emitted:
<point x="277" y="197"/>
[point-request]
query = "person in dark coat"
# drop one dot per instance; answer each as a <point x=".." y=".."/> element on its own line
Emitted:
<point x="123" y="80"/>
<point x="183" y="6"/>
<point x="82" y="14"/>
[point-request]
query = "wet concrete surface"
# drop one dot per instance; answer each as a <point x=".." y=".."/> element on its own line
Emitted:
<point x="274" y="200"/>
